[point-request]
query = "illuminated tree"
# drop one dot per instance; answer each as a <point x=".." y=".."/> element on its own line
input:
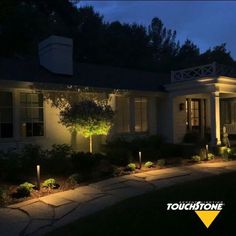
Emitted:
<point x="88" y="119"/>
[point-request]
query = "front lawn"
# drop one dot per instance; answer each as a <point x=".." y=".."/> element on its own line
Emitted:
<point x="147" y="215"/>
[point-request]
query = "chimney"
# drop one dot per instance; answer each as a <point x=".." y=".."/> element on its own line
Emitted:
<point x="56" y="55"/>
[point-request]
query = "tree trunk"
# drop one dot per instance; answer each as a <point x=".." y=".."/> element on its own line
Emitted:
<point x="91" y="144"/>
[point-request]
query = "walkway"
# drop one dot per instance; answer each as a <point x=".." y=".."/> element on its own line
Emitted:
<point x="38" y="216"/>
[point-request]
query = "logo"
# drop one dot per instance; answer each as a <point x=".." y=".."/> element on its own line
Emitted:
<point x="206" y="211"/>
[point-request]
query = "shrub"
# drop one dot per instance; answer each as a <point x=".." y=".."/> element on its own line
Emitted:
<point x="85" y="162"/>
<point x="196" y="158"/>
<point x="2" y="196"/>
<point x="149" y="164"/>
<point x="119" y="155"/>
<point x="12" y="170"/>
<point x="161" y="162"/>
<point x="60" y="151"/>
<point x="210" y="156"/>
<point x="29" y="156"/>
<point x="49" y="183"/>
<point x="131" y="167"/>
<point x="28" y="186"/>
<point x="225" y="153"/>
<point x="21" y="192"/>
<point x="59" y="159"/>
<point x="73" y="179"/>
<point x="124" y="149"/>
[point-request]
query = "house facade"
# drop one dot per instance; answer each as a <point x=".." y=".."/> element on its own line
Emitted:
<point x="200" y="99"/>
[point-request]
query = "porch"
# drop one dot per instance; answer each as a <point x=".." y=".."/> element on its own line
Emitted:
<point x="203" y="100"/>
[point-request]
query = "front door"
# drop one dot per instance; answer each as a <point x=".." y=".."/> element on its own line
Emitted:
<point x="194" y="113"/>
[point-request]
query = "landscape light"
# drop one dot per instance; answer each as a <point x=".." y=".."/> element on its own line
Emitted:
<point x="38" y="176"/>
<point x="140" y="160"/>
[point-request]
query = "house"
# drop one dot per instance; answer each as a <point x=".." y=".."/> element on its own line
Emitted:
<point x="200" y="99"/>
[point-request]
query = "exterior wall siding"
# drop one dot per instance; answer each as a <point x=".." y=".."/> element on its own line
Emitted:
<point x="56" y="133"/>
<point x="179" y="119"/>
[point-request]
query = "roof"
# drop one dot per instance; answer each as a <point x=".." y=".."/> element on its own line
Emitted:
<point x="86" y="75"/>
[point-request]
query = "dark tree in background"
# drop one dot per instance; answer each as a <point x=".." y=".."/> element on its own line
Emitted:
<point x="24" y="23"/>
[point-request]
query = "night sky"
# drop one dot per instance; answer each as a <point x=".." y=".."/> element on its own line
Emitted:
<point x="206" y="23"/>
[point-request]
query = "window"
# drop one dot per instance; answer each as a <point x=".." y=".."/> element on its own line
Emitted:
<point x="122" y="105"/>
<point x="140" y="112"/>
<point x="225" y="111"/>
<point x="195" y="113"/>
<point x="31" y="114"/>
<point x="6" y="115"/>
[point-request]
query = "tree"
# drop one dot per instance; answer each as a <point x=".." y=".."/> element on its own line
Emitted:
<point x="24" y="23"/>
<point x="188" y="55"/>
<point x="218" y="54"/>
<point x="88" y="119"/>
<point x="163" y="44"/>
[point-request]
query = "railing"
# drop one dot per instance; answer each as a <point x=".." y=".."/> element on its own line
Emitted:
<point x="211" y="70"/>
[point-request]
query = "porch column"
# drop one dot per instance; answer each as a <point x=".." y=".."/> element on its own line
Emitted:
<point x="202" y="113"/>
<point x="189" y="114"/>
<point x="215" y="118"/>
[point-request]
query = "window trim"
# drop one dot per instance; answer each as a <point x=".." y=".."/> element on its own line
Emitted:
<point x="35" y="138"/>
<point x="129" y="115"/>
<point x="147" y="115"/>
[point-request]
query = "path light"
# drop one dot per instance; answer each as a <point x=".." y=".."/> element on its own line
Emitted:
<point x="206" y="151"/>
<point x="38" y="176"/>
<point x="140" y="159"/>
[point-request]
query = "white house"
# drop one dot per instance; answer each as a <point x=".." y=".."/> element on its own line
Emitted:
<point x="200" y="99"/>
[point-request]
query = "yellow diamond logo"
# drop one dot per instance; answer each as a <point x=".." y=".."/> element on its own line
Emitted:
<point x="207" y="217"/>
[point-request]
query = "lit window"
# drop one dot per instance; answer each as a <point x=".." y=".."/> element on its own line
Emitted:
<point x="140" y="110"/>
<point x="122" y="107"/>
<point x="6" y="115"/>
<point x="31" y="114"/>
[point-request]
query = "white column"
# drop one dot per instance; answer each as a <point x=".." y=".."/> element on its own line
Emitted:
<point x="215" y="118"/>
<point x="189" y="114"/>
<point x="202" y="113"/>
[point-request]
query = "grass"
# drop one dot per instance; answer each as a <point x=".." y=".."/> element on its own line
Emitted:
<point x="147" y="214"/>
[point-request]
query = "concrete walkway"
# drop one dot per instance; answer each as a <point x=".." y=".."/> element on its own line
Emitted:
<point x="38" y="216"/>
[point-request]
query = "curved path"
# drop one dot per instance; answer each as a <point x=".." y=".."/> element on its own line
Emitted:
<point x="38" y="216"/>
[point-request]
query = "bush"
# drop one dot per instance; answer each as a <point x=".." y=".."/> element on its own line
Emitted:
<point x="161" y="162"/>
<point x="149" y="164"/>
<point x="11" y="167"/>
<point x="86" y="162"/>
<point x="2" y="196"/>
<point x="49" y="183"/>
<point x="58" y="159"/>
<point x="21" y="192"/>
<point x="131" y="167"/>
<point x="196" y="158"/>
<point x="226" y="153"/>
<point x="124" y="149"/>
<point x="117" y="155"/>
<point x="73" y="179"/>
<point x="28" y="186"/>
<point x="210" y="156"/>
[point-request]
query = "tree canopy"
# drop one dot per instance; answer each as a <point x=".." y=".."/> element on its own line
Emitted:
<point x="87" y="118"/>
<point x="24" y="23"/>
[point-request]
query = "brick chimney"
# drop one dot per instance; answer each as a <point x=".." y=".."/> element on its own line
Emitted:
<point x="56" y="55"/>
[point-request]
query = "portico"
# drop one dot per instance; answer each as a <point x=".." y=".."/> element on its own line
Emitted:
<point x="203" y="101"/>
